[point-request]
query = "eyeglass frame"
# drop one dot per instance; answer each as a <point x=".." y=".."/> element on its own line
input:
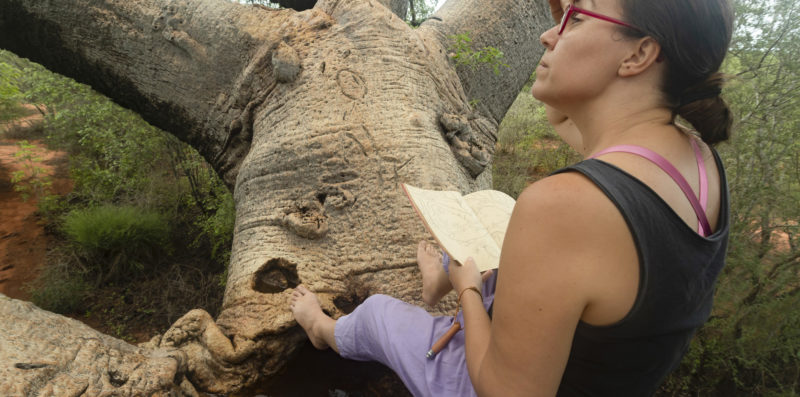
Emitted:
<point x="572" y="9"/>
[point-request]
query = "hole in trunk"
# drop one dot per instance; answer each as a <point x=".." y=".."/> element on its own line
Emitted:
<point x="275" y="276"/>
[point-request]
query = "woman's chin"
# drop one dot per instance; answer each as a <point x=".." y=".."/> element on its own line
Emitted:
<point x="538" y="91"/>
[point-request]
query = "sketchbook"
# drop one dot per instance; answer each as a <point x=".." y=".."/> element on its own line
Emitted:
<point x="471" y="225"/>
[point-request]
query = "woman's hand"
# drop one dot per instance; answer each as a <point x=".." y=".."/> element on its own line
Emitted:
<point x="466" y="275"/>
<point x="556" y="10"/>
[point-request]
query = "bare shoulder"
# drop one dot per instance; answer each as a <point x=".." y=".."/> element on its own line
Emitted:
<point x="563" y="197"/>
<point x="567" y="231"/>
<point x="559" y="227"/>
<point x="564" y="226"/>
<point x="570" y="215"/>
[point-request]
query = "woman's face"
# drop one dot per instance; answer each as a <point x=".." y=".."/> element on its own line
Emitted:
<point x="584" y="59"/>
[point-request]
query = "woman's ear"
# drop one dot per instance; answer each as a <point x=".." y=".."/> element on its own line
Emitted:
<point x="645" y="52"/>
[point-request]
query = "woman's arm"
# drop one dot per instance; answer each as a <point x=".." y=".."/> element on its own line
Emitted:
<point x="477" y="324"/>
<point x="553" y="260"/>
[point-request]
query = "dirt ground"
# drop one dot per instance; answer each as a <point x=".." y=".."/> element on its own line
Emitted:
<point x="127" y="311"/>
<point x="23" y="241"/>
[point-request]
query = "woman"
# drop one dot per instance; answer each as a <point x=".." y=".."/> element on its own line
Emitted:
<point x="608" y="265"/>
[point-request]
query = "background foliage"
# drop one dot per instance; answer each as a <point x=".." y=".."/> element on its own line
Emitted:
<point x="9" y="92"/>
<point x="146" y="212"/>
<point x="751" y="346"/>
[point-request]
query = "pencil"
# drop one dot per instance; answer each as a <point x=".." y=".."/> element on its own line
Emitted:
<point x="442" y="342"/>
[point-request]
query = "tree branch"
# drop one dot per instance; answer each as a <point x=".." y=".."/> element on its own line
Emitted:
<point x="398" y="7"/>
<point x="173" y="62"/>
<point x="511" y="26"/>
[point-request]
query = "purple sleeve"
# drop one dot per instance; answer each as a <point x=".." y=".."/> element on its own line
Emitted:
<point x="446" y="262"/>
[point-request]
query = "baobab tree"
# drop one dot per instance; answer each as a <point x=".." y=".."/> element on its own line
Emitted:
<point x="313" y="118"/>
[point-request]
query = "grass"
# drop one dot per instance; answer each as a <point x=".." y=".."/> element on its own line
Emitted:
<point x="117" y="242"/>
<point x="12" y="111"/>
<point x="145" y="233"/>
<point x="26" y="130"/>
<point x="136" y="308"/>
<point x="65" y="289"/>
<point x="9" y="129"/>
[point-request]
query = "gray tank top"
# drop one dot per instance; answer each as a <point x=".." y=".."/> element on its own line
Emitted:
<point x="678" y="269"/>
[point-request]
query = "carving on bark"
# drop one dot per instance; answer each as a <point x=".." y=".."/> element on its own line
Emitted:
<point x="351" y="83"/>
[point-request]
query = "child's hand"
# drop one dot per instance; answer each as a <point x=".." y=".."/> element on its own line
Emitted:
<point x="467" y="275"/>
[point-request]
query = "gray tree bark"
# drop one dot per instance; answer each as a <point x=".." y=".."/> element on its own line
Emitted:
<point x="313" y="118"/>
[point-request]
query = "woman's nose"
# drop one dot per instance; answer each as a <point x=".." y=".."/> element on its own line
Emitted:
<point x="549" y="37"/>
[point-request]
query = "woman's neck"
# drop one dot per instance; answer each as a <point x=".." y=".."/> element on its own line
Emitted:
<point x="605" y="125"/>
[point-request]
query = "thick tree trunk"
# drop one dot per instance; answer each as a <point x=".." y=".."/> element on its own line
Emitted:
<point x="315" y="118"/>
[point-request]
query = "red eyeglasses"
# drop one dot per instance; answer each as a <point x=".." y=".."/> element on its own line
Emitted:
<point x="571" y="9"/>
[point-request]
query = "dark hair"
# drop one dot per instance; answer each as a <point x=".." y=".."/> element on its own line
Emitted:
<point x="694" y="36"/>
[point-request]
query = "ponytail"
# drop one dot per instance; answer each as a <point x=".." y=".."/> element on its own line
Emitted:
<point x="703" y="107"/>
<point x="694" y="36"/>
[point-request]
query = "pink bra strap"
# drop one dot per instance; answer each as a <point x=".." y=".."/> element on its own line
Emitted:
<point x="666" y="166"/>
<point x="701" y="171"/>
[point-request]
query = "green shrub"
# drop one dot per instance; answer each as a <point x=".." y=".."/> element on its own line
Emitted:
<point x="32" y="179"/>
<point x="464" y="55"/>
<point x="116" y="242"/>
<point x="59" y="288"/>
<point x="216" y="226"/>
<point x="9" y="92"/>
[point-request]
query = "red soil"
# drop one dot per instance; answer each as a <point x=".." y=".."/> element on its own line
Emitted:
<point x="23" y="242"/>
